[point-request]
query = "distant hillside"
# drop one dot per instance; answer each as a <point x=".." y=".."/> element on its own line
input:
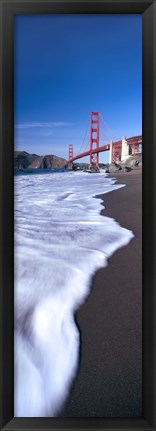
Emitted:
<point x="24" y="160"/>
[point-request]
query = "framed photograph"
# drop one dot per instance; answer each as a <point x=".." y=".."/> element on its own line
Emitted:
<point x="78" y="98"/>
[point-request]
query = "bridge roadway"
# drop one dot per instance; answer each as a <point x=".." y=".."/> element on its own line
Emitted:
<point x="132" y="140"/>
<point x="93" y="151"/>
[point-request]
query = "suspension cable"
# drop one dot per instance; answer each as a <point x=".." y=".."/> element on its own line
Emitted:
<point x="108" y="128"/>
<point x="85" y="149"/>
<point x="104" y="134"/>
<point x="80" y="151"/>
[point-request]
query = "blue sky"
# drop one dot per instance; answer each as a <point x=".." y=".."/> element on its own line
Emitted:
<point x="69" y="65"/>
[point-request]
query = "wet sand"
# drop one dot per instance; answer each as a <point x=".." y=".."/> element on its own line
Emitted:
<point x="109" y="380"/>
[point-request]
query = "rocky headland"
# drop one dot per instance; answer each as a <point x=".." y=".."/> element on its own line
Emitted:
<point x="24" y="160"/>
<point x="126" y="165"/>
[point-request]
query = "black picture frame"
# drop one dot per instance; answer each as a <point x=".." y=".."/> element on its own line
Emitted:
<point x="7" y="11"/>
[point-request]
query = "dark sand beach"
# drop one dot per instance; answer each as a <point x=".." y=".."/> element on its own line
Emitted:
<point x="109" y="380"/>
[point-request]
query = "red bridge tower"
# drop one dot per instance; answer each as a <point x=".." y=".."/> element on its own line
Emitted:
<point x="70" y="156"/>
<point x="94" y="138"/>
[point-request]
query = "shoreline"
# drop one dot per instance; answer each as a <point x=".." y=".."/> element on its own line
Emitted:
<point x="109" y="380"/>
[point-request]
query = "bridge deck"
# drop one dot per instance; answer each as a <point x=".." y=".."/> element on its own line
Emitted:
<point x="132" y="140"/>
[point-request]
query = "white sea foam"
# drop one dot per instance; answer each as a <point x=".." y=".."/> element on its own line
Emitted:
<point x="60" y="241"/>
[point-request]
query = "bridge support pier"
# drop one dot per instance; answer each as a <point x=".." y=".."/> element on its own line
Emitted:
<point x="70" y="165"/>
<point x="125" y="149"/>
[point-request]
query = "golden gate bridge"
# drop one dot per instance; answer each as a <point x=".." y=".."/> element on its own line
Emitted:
<point x="119" y="149"/>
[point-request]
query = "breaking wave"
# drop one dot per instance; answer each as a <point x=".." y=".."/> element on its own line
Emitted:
<point x="60" y="241"/>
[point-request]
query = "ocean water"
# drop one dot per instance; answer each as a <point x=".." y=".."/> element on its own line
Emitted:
<point x="60" y="241"/>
